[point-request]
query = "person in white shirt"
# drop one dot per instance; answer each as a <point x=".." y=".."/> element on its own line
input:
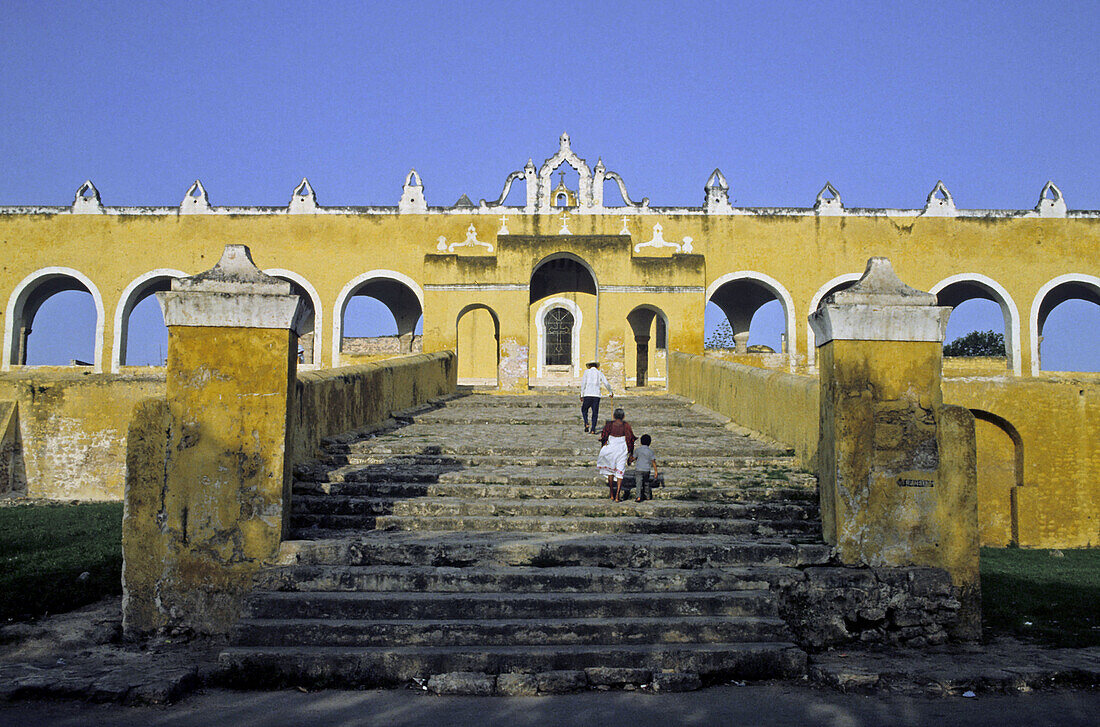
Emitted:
<point x="591" y="382"/>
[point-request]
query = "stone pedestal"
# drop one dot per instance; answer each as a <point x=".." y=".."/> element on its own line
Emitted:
<point x="897" y="466"/>
<point x="207" y="510"/>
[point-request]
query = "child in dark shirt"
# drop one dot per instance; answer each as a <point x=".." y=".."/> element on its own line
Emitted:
<point x="645" y="460"/>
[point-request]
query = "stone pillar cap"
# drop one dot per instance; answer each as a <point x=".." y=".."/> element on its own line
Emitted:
<point x="234" y="273"/>
<point x="879" y="308"/>
<point x="880" y="286"/>
<point x="232" y="294"/>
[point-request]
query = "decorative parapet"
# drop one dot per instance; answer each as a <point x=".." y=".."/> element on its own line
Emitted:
<point x="196" y="201"/>
<point x="303" y="200"/>
<point x="939" y="202"/>
<point x="87" y="201"/>
<point x="828" y="201"/>
<point x="1051" y="203"/>
<point x="412" y="195"/>
<point x="717" y="194"/>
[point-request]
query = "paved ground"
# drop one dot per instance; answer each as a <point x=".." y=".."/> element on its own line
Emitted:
<point x="717" y="707"/>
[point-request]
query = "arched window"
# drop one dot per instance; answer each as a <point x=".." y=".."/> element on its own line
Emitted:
<point x="559" y="337"/>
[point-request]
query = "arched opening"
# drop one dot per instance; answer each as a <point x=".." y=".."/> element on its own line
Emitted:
<point x="54" y="318"/>
<point x="1000" y="470"/>
<point x="981" y="310"/>
<point x="478" y="344"/>
<point x="1065" y="319"/>
<point x="563" y="294"/>
<point x="840" y="282"/>
<point x="752" y="312"/>
<point x="309" y="337"/>
<point x="646" y="359"/>
<point x="141" y="338"/>
<point x="378" y="315"/>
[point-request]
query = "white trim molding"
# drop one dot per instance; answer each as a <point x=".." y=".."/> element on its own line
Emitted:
<point x="1033" y="323"/>
<point x="811" y="337"/>
<point x="318" y="317"/>
<point x="347" y="292"/>
<point x="126" y="306"/>
<point x="19" y="297"/>
<point x="1008" y="309"/>
<point x="540" y="327"/>
<point x="778" y="290"/>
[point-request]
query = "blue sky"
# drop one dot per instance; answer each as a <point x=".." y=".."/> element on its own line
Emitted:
<point x="882" y="99"/>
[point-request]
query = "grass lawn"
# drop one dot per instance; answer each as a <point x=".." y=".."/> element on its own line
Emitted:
<point x="45" y="548"/>
<point x="1034" y="595"/>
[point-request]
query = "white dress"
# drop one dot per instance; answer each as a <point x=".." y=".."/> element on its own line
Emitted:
<point x="612" y="458"/>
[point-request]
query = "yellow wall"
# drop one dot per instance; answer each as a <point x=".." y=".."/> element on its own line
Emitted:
<point x="71" y="432"/>
<point x="781" y="405"/>
<point x="353" y="398"/>
<point x="1052" y="497"/>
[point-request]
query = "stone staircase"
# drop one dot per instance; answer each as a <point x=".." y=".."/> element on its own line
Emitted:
<point x="476" y="536"/>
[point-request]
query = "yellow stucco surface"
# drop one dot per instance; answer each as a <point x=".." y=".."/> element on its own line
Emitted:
<point x="69" y="430"/>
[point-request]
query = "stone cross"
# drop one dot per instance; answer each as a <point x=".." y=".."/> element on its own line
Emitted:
<point x="624" y="231"/>
<point x="503" y="225"/>
<point x="565" y="225"/>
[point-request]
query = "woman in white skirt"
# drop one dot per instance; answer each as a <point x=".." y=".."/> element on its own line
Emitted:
<point x="617" y="439"/>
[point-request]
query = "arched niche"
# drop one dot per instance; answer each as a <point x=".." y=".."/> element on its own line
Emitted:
<point x="25" y="300"/>
<point x="1000" y="470"/>
<point x="477" y="338"/>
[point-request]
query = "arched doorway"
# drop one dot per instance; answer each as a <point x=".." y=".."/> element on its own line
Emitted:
<point x="382" y="311"/>
<point x="478" y="344"/>
<point x="563" y="297"/>
<point x="646" y="359"/>
<point x="70" y="325"/>
<point x="1065" y="318"/>
<point x="1000" y="470"/>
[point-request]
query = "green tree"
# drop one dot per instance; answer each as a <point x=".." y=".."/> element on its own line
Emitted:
<point x="720" y="337"/>
<point x="977" y="343"/>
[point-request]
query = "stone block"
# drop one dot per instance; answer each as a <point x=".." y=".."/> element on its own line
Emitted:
<point x="514" y="684"/>
<point x="561" y="682"/>
<point x="612" y="676"/>
<point x="462" y="682"/>
<point x="676" y="681"/>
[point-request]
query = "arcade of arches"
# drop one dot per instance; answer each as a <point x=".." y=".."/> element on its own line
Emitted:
<point x="527" y="294"/>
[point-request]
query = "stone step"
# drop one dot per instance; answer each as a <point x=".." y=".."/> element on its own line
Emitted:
<point x="559" y="507"/>
<point x="545" y="524"/>
<point x="544" y="476"/>
<point x="503" y="582"/>
<point x="621" y="550"/>
<point x="806" y="496"/>
<point x="311" y="666"/>
<point x="485" y="445"/>
<point x="466" y="461"/>
<point x="539" y="631"/>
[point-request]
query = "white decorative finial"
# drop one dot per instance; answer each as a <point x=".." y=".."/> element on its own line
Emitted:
<point x="441" y="243"/>
<point x="503" y="225"/>
<point x="303" y="200"/>
<point x="624" y="231"/>
<point x="1051" y="203"/>
<point x="87" y="200"/>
